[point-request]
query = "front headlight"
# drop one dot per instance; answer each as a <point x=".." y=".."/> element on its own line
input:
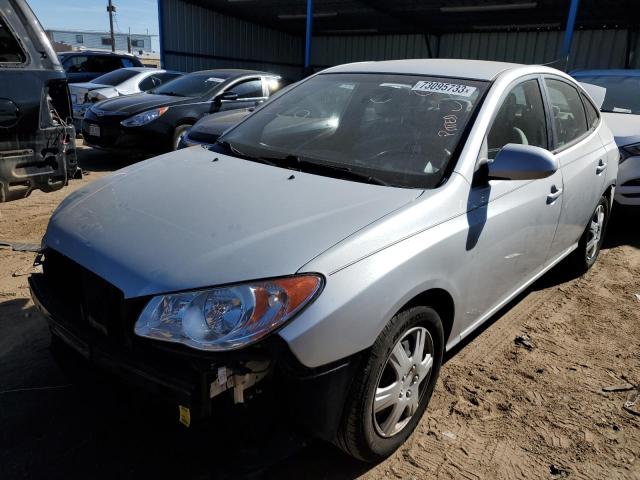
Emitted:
<point x="629" y="151"/>
<point x="226" y="318"/>
<point x="144" y="117"/>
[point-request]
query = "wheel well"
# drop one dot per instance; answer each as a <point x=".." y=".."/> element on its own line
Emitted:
<point x="441" y="302"/>
<point x="609" y="194"/>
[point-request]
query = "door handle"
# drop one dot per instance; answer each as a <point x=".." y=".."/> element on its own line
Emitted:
<point x="602" y="166"/>
<point x="554" y="195"/>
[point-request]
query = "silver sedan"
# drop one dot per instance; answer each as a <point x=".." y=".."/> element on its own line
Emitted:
<point x="336" y="243"/>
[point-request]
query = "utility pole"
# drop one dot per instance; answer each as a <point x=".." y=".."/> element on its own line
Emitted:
<point x="111" y="9"/>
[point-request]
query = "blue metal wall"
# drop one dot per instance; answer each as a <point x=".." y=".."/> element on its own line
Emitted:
<point x="590" y="49"/>
<point x="196" y="38"/>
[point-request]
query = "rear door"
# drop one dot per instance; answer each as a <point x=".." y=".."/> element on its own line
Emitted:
<point x="582" y="159"/>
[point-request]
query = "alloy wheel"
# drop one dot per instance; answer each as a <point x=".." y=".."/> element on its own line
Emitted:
<point x="594" y="235"/>
<point x="402" y="382"/>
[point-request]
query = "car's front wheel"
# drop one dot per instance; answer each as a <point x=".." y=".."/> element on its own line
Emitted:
<point x="178" y="133"/>
<point x="389" y="395"/>
<point x="583" y="258"/>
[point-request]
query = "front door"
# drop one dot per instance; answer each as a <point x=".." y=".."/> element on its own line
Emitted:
<point x="511" y="223"/>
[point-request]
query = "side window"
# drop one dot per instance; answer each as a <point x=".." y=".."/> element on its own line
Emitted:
<point x="248" y="89"/>
<point x="520" y="119"/>
<point x="568" y="114"/>
<point x="76" y="64"/>
<point x="126" y="62"/>
<point x="592" y="113"/>
<point x="10" y="50"/>
<point x="152" y="81"/>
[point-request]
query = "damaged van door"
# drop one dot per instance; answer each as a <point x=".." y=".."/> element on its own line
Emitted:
<point x="37" y="139"/>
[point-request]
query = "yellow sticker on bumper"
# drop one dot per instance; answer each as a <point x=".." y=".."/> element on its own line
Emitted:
<point x="185" y="415"/>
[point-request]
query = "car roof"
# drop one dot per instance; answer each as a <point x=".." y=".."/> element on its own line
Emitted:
<point x="612" y="72"/>
<point x="442" y="67"/>
<point x="95" y="52"/>
<point x="149" y="69"/>
<point x="233" y="72"/>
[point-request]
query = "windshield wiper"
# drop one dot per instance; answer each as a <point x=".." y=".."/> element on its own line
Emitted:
<point x="294" y="162"/>
<point x="237" y="153"/>
<point x="170" y="94"/>
<point x="301" y="164"/>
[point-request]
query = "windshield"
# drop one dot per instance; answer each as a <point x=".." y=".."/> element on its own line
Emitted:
<point x="193" y="85"/>
<point x="623" y="93"/>
<point x="400" y="130"/>
<point x="115" y="78"/>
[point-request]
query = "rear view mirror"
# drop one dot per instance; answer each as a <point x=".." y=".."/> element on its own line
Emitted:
<point x="8" y="113"/>
<point x="522" y="162"/>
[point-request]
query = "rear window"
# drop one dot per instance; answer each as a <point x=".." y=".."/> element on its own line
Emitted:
<point x="10" y="50"/>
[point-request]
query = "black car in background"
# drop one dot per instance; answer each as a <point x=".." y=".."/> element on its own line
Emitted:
<point x="154" y="122"/>
<point x="83" y="66"/>
<point x="37" y="139"/>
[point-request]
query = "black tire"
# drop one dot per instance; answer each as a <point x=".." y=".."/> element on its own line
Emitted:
<point x="177" y="133"/>
<point x="358" y="434"/>
<point x="582" y="259"/>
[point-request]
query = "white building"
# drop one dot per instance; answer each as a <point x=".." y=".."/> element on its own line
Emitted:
<point x="101" y="40"/>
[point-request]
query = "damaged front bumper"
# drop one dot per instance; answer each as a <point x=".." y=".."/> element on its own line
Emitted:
<point x="193" y="382"/>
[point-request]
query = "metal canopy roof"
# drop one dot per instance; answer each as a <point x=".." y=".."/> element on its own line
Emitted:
<point x="356" y="17"/>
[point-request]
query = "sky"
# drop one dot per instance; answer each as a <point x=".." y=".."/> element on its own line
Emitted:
<point x="140" y="15"/>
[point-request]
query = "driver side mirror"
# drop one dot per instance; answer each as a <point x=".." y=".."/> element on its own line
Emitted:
<point x="522" y="162"/>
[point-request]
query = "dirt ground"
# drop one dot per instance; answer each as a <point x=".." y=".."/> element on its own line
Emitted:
<point x="503" y="409"/>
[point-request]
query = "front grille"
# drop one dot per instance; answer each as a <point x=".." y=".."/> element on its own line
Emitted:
<point x="89" y="302"/>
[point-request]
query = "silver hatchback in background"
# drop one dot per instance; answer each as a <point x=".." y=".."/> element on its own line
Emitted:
<point x="335" y="243"/>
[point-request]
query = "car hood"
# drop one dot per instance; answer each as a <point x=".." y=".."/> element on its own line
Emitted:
<point x="219" y="122"/>
<point x="183" y="221"/>
<point x="624" y="126"/>
<point x="132" y="104"/>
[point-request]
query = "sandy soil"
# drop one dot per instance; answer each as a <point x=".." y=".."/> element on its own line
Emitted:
<point x="501" y="409"/>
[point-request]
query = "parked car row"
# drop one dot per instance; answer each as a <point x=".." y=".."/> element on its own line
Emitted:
<point x="332" y="245"/>
<point x="156" y="120"/>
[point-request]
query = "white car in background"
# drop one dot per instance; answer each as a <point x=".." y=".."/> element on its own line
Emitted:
<point x="621" y="111"/>
<point x="124" y="81"/>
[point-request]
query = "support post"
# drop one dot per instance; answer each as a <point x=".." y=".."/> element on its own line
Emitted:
<point x="568" y="33"/>
<point x="111" y="9"/>
<point x="307" y="43"/>
<point x="161" y="31"/>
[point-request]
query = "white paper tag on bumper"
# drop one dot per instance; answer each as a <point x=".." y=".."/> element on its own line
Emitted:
<point x="442" y="87"/>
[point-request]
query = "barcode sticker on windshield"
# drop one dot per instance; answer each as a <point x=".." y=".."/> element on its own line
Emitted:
<point x="442" y="87"/>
